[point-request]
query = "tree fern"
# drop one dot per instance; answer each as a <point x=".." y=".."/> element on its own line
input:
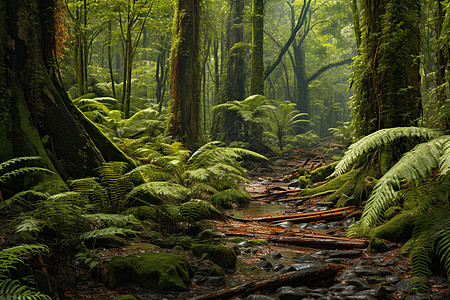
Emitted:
<point x="14" y="290"/>
<point x="157" y="193"/>
<point x="370" y="143"/>
<point x="413" y="165"/>
<point x="11" y="256"/>
<point x="101" y="220"/>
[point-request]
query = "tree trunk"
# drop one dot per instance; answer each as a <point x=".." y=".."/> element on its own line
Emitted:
<point x="386" y="80"/>
<point x="257" y="62"/>
<point x="185" y="122"/>
<point x="111" y="73"/>
<point x="37" y="116"/>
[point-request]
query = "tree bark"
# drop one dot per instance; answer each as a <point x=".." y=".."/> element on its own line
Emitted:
<point x="257" y="61"/>
<point x="185" y="122"/>
<point x="38" y="118"/>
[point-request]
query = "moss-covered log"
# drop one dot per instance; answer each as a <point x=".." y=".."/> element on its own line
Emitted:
<point x="37" y="116"/>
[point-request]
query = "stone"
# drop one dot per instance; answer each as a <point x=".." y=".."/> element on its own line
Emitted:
<point x="335" y="224"/>
<point x="307" y="258"/>
<point x="120" y="271"/>
<point x="294" y="184"/>
<point x="337" y="287"/>
<point x="320" y="226"/>
<point x="277" y="255"/>
<point x="348" y="222"/>
<point x="278" y="267"/>
<point x="375" y="279"/>
<point x="367" y="271"/>
<point x="378" y="245"/>
<point x="215" y="280"/>
<point x="360" y="297"/>
<point x="289" y="293"/>
<point x="346" y="275"/>
<point x="393" y="279"/>
<point x="285" y="224"/>
<point x="345" y="254"/>
<point x="405" y="285"/>
<point x="260" y="297"/>
<point x="303" y="225"/>
<point x="265" y="265"/>
<point x="223" y="256"/>
<point x="359" y="284"/>
<point x="125" y="297"/>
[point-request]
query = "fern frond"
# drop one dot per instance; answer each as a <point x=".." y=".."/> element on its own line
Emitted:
<point x="108" y="231"/>
<point x="223" y="198"/>
<point x="412" y="166"/>
<point x="11" y="256"/>
<point x="157" y="192"/>
<point x="196" y="210"/>
<point x="19" y="162"/>
<point x="26" y="199"/>
<point x="13" y="289"/>
<point x="373" y="141"/>
<point x="30" y="225"/>
<point x="444" y="163"/>
<point x="21" y="172"/>
<point x="118" y="220"/>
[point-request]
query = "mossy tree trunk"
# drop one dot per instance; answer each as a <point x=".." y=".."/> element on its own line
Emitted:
<point x="185" y="122"/>
<point x="232" y="87"/>
<point x="37" y="116"/>
<point x="257" y="61"/>
<point x="386" y="80"/>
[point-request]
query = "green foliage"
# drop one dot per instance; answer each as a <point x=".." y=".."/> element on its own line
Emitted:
<point x="108" y="231"/>
<point x="362" y="148"/>
<point x="25" y="199"/>
<point x="12" y="289"/>
<point x="20" y="166"/>
<point x="157" y="193"/>
<point x="100" y="220"/>
<point x="224" y="198"/>
<point x="196" y="210"/>
<point x="343" y="133"/>
<point x="283" y="118"/>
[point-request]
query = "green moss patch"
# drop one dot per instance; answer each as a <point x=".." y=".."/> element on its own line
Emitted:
<point x="321" y="174"/>
<point x="120" y="271"/>
<point x="399" y="229"/>
<point x="223" y="256"/>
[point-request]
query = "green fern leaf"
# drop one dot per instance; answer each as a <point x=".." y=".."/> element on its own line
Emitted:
<point x="13" y="290"/>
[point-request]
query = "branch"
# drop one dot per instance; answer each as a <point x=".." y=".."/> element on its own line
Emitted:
<point x="300" y="22"/>
<point x="329" y="66"/>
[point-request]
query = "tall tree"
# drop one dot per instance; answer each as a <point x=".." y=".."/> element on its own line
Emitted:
<point x="185" y="121"/>
<point x="386" y="78"/>
<point x="257" y="62"/>
<point x="37" y="116"/>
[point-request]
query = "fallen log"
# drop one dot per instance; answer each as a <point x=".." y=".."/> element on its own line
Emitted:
<point x="295" y="278"/>
<point x="298" y="215"/>
<point x="304" y="198"/>
<point x="277" y="193"/>
<point x="315" y="242"/>
<point x="339" y="215"/>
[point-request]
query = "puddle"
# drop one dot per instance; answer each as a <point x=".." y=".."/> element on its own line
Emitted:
<point x="256" y="210"/>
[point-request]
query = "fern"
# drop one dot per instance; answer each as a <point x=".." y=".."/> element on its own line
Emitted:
<point x="413" y="165"/>
<point x="31" y="225"/>
<point x="108" y="231"/>
<point x="25" y="199"/>
<point x="370" y="143"/>
<point x="157" y="193"/>
<point x="11" y="256"/>
<point x="196" y="210"/>
<point x="12" y="289"/>
<point x="117" y="220"/>
<point x="223" y="198"/>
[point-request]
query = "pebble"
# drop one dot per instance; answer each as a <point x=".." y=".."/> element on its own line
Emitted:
<point x="359" y="284"/>
<point x="285" y="224"/>
<point x="215" y="280"/>
<point x="289" y="293"/>
<point x="303" y="225"/>
<point x="405" y="285"/>
<point x="393" y="279"/>
<point x="367" y="271"/>
<point x="345" y="254"/>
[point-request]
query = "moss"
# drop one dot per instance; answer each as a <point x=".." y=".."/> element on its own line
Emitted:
<point x="163" y="271"/>
<point x="406" y="249"/>
<point x="334" y="184"/>
<point x="111" y="241"/>
<point x="237" y="240"/>
<point x="392" y="212"/>
<point x="143" y="246"/>
<point x="217" y="270"/>
<point x="223" y="256"/>
<point x="377" y="245"/>
<point x="398" y="229"/>
<point x="178" y="248"/>
<point x="258" y="242"/>
<point x="125" y="297"/>
<point x="321" y="174"/>
<point x="301" y="171"/>
<point x="120" y="271"/>
<point x="206" y="234"/>
<point x="304" y="182"/>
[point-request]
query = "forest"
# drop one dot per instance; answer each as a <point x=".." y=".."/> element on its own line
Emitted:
<point x="218" y="149"/>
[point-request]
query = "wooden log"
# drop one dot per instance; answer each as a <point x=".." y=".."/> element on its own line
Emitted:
<point x="316" y="242"/>
<point x="277" y="193"/>
<point x="297" y="215"/>
<point x="339" y="215"/>
<point x="295" y="278"/>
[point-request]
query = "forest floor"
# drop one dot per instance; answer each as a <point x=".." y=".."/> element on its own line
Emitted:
<point x="309" y="235"/>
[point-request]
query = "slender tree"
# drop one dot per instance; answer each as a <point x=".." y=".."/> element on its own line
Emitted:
<point x="37" y="116"/>
<point x="185" y="121"/>
<point x="257" y="62"/>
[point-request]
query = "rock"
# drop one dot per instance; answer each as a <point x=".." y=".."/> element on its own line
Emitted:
<point x="337" y="287"/>
<point x="393" y="279"/>
<point x="359" y="284"/>
<point x="320" y="226"/>
<point x="405" y="285"/>
<point x="346" y="275"/>
<point x="213" y="270"/>
<point x="334" y="260"/>
<point x="307" y="258"/>
<point x="304" y="181"/>
<point x="286" y="179"/>
<point x="285" y="224"/>
<point x="277" y="255"/>
<point x="348" y="222"/>
<point x="392" y="212"/>
<point x="419" y="297"/>
<point x="278" y="267"/>
<point x="238" y="240"/>
<point x="360" y="297"/>
<point x="162" y="271"/>
<point x="294" y="184"/>
<point x="223" y="256"/>
<point x="288" y="293"/>
<point x="379" y="293"/>
<point x="398" y="229"/>
<point x="375" y="279"/>
<point x="335" y="224"/>
<point x="345" y="254"/>
<point x="377" y="245"/>
<point x="215" y="280"/>
<point x="259" y="242"/>
<point x="322" y="252"/>
<point x="265" y="265"/>
<point x="243" y="244"/>
<point x="108" y="242"/>
<point x="300" y="266"/>
<point x="303" y="225"/>
<point x="348" y="291"/>
<point x="120" y="271"/>
<point x="367" y="271"/>
<point x="259" y="297"/>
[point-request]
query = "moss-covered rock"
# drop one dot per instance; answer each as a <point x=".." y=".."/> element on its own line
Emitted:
<point x="162" y="271"/>
<point x="238" y="239"/>
<point x="321" y="174"/>
<point x="258" y="242"/>
<point x="125" y="297"/>
<point x="175" y="240"/>
<point x="399" y="229"/>
<point x="120" y="271"/>
<point x="110" y="241"/>
<point x="304" y="182"/>
<point x="206" y="234"/>
<point x="377" y="245"/>
<point x="392" y="212"/>
<point x="301" y="171"/>
<point x="223" y="256"/>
